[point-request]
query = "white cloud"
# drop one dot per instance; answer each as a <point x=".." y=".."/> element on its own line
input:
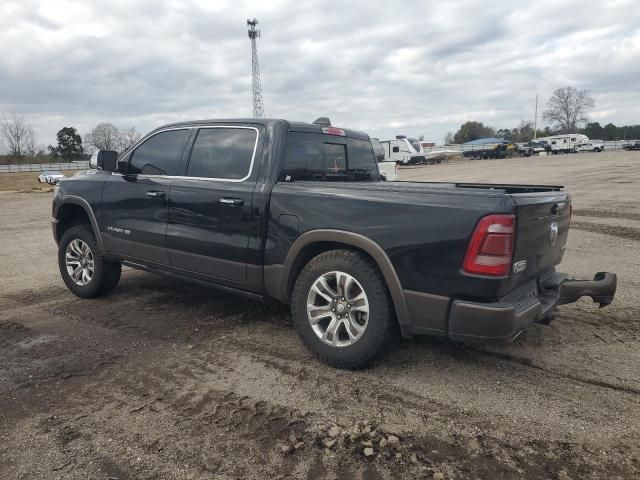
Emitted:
<point x="415" y="68"/>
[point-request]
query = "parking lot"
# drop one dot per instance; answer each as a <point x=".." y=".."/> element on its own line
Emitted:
<point x="164" y="379"/>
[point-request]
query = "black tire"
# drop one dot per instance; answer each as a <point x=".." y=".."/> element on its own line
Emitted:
<point x="380" y="323"/>
<point x="105" y="275"/>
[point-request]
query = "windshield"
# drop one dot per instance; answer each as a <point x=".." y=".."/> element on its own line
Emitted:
<point x="54" y="172"/>
<point x="415" y="144"/>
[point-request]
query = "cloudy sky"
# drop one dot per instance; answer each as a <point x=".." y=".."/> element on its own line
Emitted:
<point x="417" y="68"/>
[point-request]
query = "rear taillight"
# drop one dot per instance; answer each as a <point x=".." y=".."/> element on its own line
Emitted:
<point x="490" y="249"/>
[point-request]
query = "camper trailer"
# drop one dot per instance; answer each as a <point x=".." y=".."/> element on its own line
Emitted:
<point x="403" y="150"/>
<point x="388" y="169"/>
<point x="566" y="143"/>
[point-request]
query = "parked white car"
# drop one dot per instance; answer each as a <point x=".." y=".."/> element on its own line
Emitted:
<point x="50" y="176"/>
<point x="592" y="146"/>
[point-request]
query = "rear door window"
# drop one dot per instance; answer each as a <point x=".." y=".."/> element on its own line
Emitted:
<point x="224" y="153"/>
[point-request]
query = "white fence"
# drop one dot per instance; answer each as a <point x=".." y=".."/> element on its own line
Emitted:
<point x="38" y="167"/>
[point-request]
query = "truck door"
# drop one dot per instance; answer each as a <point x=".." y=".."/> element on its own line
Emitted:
<point x="210" y="214"/>
<point x="134" y="211"/>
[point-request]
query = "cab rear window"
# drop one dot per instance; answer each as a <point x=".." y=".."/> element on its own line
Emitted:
<point x="318" y="157"/>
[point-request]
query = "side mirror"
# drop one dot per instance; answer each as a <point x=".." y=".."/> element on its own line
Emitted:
<point x="121" y="164"/>
<point x="396" y="149"/>
<point x="104" y="160"/>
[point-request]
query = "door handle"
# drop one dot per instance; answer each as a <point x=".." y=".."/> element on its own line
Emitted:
<point x="236" y="202"/>
<point x="155" y="194"/>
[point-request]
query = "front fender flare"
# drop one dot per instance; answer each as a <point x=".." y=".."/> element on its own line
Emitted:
<point x="81" y="202"/>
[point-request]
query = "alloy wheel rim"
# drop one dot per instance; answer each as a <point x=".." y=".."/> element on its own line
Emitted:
<point x="79" y="262"/>
<point x="338" y="309"/>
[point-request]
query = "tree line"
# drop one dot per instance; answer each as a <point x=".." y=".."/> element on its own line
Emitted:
<point x="567" y="111"/>
<point x="524" y="132"/>
<point x="19" y="142"/>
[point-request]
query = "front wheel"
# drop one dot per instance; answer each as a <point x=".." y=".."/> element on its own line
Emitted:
<point x="83" y="268"/>
<point x="341" y="309"/>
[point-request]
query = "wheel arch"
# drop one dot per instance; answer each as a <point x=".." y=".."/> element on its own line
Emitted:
<point x="72" y="211"/>
<point x="314" y="242"/>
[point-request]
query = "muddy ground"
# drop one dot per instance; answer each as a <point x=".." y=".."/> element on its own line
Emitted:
<point x="164" y="379"/>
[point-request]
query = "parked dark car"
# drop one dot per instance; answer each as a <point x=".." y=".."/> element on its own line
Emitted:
<point x="524" y="150"/>
<point x="632" y="146"/>
<point x="533" y="147"/>
<point x="540" y="146"/>
<point x="495" y="150"/>
<point x="297" y="212"/>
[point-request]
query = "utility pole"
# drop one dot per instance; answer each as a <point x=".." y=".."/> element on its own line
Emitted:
<point x="535" y="122"/>
<point x="258" y="106"/>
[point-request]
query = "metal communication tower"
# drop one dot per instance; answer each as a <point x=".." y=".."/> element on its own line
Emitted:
<point x="258" y="106"/>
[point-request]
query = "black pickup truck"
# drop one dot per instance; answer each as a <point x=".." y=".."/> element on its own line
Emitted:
<point x="297" y="212"/>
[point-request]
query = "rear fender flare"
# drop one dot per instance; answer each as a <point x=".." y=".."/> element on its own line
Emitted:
<point x="358" y="241"/>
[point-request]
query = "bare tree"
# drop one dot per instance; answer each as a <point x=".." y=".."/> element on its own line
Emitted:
<point x="129" y="137"/>
<point x="105" y="136"/>
<point x="448" y="138"/>
<point x="17" y="136"/>
<point x="568" y="108"/>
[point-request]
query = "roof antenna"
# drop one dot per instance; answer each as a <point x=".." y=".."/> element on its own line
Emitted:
<point x="323" y="121"/>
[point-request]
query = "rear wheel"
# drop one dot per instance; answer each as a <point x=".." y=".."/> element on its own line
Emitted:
<point x="83" y="268"/>
<point x="341" y="308"/>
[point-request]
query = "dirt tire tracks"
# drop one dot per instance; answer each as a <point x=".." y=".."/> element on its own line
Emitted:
<point x="630" y="233"/>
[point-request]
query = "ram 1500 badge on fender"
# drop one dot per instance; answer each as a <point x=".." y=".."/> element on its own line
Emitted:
<point x="297" y="212"/>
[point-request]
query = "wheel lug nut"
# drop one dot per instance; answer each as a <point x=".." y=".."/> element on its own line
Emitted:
<point x="342" y="299"/>
<point x="348" y="306"/>
<point x="333" y="309"/>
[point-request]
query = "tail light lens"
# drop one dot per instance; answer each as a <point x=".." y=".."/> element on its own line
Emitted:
<point x="490" y="249"/>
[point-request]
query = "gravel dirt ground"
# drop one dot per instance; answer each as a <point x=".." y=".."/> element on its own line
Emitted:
<point x="167" y="380"/>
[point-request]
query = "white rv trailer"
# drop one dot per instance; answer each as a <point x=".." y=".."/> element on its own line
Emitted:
<point x="403" y="150"/>
<point x="569" y="143"/>
<point x="388" y="169"/>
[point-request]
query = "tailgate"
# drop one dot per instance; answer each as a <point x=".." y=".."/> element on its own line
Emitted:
<point x="542" y="228"/>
